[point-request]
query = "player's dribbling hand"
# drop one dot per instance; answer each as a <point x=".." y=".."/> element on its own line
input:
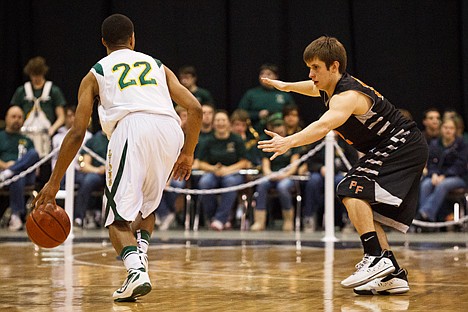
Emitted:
<point x="45" y="196"/>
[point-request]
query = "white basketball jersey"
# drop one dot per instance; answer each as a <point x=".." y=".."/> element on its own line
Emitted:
<point x="131" y="81"/>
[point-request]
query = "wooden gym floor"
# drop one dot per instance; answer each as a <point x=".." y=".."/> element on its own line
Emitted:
<point x="229" y="271"/>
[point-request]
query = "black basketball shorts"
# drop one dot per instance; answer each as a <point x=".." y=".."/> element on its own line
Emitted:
<point x="388" y="178"/>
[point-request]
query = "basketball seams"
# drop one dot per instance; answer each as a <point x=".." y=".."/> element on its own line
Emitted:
<point x="45" y="224"/>
<point x="58" y="222"/>
<point x="42" y="230"/>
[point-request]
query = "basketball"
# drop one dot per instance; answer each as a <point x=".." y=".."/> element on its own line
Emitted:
<point x="48" y="226"/>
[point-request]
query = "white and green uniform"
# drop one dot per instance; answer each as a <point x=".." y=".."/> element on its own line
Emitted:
<point x="137" y="114"/>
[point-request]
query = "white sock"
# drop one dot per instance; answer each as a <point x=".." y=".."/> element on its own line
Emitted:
<point x="130" y="258"/>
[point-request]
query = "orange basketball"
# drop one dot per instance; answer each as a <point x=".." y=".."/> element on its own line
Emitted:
<point x="48" y="226"/>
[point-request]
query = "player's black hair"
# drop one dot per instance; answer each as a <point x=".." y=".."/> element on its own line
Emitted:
<point x="117" y="29"/>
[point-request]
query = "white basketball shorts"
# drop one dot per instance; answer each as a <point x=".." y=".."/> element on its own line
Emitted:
<point x="141" y="154"/>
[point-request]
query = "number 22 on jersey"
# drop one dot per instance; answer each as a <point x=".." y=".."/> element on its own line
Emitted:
<point x="142" y="80"/>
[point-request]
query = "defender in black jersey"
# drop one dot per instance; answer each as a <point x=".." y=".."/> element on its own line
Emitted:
<point x="382" y="188"/>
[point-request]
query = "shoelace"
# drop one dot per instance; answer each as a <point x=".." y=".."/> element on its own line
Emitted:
<point x="362" y="263"/>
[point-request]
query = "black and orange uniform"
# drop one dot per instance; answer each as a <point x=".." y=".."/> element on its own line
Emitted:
<point x="395" y="153"/>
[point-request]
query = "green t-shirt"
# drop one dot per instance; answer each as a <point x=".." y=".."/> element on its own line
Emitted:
<point x="203" y="96"/>
<point x="259" y="98"/>
<point x="201" y="138"/>
<point x="254" y="155"/>
<point x="9" y="145"/>
<point x="282" y="160"/>
<point x="56" y="99"/>
<point x="224" y="151"/>
<point x="98" y="144"/>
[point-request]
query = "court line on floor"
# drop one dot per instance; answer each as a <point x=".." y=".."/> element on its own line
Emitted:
<point x="215" y="274"/>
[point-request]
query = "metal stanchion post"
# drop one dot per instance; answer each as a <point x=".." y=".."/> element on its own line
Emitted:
<point x="329" y="188"/>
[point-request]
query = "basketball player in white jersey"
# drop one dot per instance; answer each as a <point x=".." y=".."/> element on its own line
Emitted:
<point x="146" y="143"/>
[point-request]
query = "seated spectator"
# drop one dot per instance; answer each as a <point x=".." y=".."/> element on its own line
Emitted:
<point x="221" y="156"/>
<point x="291" y="118"/>
<point x="188" y="78"/>
<point x="94" y="177"/>
<point x="314" y="191"/>
<point x="206" y="130"/>
<point x="241" y="125"/>
<point x="281" y="182"/>
<point x="461" y="129"/>
<point x="264" y="100"/>
<point x="446" y="167"/>
<point x="17" y="154"/>
<point x="57" y="140"/>
<point x="431" y="122"/>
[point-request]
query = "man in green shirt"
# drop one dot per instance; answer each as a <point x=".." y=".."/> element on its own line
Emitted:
<point x="188" y="78"/>
<point x="53" y="107"/>
<point x="264" y="100"/>
<point x="17" y="153"/>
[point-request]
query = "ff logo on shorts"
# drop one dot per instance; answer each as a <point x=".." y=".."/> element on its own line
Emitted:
<point x="357" y="188"/>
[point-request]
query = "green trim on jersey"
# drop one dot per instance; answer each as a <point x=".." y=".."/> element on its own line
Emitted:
<point x="98" y="68"/>
<point x="111" y="193"/>
<point x="158" y="62"/>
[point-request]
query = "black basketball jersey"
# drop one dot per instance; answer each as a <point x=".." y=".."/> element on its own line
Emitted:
<point x="378" y="125"/>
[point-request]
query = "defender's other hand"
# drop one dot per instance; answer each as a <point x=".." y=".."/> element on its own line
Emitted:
<point x="277" y="144"/>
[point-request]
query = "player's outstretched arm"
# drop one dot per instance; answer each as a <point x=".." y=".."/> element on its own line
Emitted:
<point x="72" y="142"/>
<point x="341" y="107"/>
<point x="306" y="87"/>
<point x="182" y="96"/>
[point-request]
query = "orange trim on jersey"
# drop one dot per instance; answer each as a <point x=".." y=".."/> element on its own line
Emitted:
<point x="347" y="141"/>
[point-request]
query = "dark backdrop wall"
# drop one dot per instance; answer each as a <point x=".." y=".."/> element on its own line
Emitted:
<point x="414" y="52"/>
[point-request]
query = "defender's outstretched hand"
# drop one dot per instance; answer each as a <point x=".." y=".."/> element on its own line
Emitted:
<point x="277" y="144"/>
<point x="277" y="84"/>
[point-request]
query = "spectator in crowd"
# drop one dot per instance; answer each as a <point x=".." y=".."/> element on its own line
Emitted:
<point x="292" y="120"/>
<point x="315" y="187"/>
<point x="446" y="168"/>
<point x="206" y="130"/>
<point x="280" y="182"/>
<point x="264" y="100"/>
<point x="461" y="128"/>
<point x="431" y="122"/>
<point x="188" y="78"/>
<point x="57" y="140"/>
<point x="17" y="153"/>
<point x="241" y="125"/>
<point x="42" y="103"/>
<point x="221" y="156"/>
<point x="166" y="212"/>
<point x="94" y="177"/>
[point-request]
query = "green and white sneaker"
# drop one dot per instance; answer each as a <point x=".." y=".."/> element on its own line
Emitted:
<point x="136" y="285"/>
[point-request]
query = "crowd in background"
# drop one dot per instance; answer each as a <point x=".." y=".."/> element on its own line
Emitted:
<point x="39" y="117"/>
